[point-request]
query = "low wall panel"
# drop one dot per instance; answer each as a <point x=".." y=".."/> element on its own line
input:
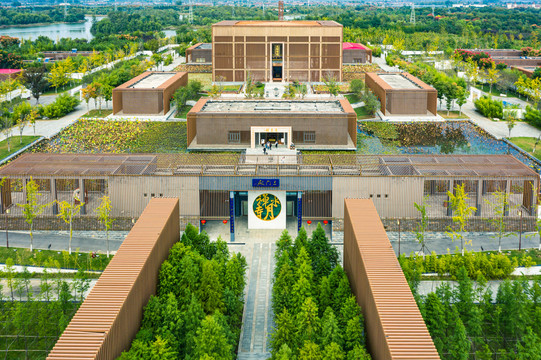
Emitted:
<point x="111" y="314"/>
<point x="395" y="327"/>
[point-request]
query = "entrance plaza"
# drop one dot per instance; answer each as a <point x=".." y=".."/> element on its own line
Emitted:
<point x="243" y="124"/>
<point x="274" y="192"/>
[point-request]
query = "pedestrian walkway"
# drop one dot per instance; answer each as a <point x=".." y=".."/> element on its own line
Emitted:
<point x="257" y="322"/>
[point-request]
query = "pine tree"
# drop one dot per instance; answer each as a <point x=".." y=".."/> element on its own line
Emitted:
<point x="284" y="243"/>
<point x="530" y="346"/>
<point x="307" y="322"/>
<point x="210" y="340"/>
<point x="350" y="309"/>
<point x="310" y="351"/>
<point x="285" y="353"/>
<point x="281" y="290"/>
<point x="210" y="290"/>
<point x="342" y="293"/>
<point x="434" y="315"/>
<point x="459" y="348"/>
<point x="353" y="334"/>
<point x="193" y="314"/>
<point x="324" y="255"/>
<point x="330" y="330"/>
<point x="301" y="291"/>
<point x="284" y="331"/>
<point x="333" y="351"/>
<point x="325" y="295"/>
<point x="300" y="241"/>
<point x="358" y="353"/>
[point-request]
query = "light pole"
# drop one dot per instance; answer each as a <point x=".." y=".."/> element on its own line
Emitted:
<point x="7" y="237"/>
<point x="520" y="232"/>
<point x="398" y="222"/>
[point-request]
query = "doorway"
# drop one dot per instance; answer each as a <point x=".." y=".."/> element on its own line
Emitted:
<point x="276" y="73"/>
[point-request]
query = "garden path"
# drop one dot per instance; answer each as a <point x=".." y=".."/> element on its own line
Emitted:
<point x="258" y="316"/>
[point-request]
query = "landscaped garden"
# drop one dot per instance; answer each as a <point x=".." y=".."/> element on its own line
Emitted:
<point x="97" y="113"/>
<point x="30" y="322"/>
<point x="15" y="143"/>
<point x="471" y="321"/>
<point x="316" y="315"/>
<point x="96" y="136"/>
<point x="197" y="312"/>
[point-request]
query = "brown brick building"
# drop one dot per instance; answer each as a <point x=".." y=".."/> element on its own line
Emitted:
<point x="241" y="124"/>
<point x="276" y="50"/>
<point x="147" y="94"/>
<point x="402" y="94"/>
<point x="200" y="53"/>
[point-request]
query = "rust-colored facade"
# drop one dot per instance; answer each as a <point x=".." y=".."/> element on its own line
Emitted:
<point x="510" y="57"/>
<point x="402" y="94"/>
<point x="200" y="53"/>
<point x="209" y="128"/>
<point x="394" y="325"/>
<point x="109" y="318"/>
<point x="305" y="51"/>
<point x="148" y="94"/>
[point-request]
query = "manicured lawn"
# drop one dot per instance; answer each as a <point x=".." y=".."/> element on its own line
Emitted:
<point x="362" y="113"/>
<point x="23" y="256"/>
<point x="497" y="92"/>
<point x="183" y="112"/>
<point x="527" y="144"/>
<point x="97" y="114"/>
<point x="452" y="115"/>
<point x="352" y="98"/>
<point x="15" y="142"/>
<point x="61" y="89"/>
<point x="204" y="78"/>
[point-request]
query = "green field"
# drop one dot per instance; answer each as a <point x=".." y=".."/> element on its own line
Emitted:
<point x="97" y="114"/>
<point x="16" y="144"/>
<point x="527" y="144"/>
<point x="362" y="113"/>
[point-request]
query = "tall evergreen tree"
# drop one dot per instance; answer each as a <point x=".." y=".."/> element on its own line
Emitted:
<point x="210" y="292"/>
<point x="307" y="322"/>
<point x="330" y="330"/>
<point x="333" y="351"/>
<point x="310" y="351"/>
<point x="211" y="340"/>
<point x="284" y="333"/>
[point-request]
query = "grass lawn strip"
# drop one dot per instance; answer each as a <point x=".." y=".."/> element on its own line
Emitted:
<point x="16" y="144"/>
<point x="527" y="144"/>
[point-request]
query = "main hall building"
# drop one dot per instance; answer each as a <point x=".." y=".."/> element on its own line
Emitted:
<point x="305" y="51"/>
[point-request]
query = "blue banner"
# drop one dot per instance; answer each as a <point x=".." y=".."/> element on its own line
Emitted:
<point x="299" y="210"/>
<point x="265" y="182"/>
<point x="232" y="215"/>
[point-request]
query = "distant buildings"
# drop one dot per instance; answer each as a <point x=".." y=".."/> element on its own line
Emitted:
<point x="280" y="51"/>
<point x="354" y="53"/>
<point x="510" y="57"/>
<point x="148" y="93"/>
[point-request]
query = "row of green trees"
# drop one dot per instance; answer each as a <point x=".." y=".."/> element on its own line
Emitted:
<point x="31" y="324"/>
<point x="316" y="315"/>
<point x="197" y="312"/>
<point x="467" y="321"/>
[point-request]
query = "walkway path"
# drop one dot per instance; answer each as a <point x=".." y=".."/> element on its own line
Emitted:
<point x="257" y="322"/>
<point x="499" y="129"/>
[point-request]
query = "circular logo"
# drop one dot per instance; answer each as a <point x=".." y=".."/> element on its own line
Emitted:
<point x="267" y="207"/>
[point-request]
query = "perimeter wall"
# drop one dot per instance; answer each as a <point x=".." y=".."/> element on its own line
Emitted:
<point x="394" y="325"/>
<point x="110" y="316"/>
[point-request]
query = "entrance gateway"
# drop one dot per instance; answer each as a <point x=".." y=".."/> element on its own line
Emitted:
<point x="276" y="134"/>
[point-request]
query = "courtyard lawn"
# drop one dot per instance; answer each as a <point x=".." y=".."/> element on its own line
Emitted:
<point x="97" y="113"/>
<point x="97" y="136"/>
<point x="204" y="78"/>
<point x="527" y="144"/>
<point x="16" y="144"/>
<point x="452" y="115"/>
<point x="362" y="113"/>
<point x="183" y="112"/>
<point x="352" y="98"/>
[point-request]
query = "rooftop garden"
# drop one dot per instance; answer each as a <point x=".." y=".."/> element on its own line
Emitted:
<point x="96" y="136"/>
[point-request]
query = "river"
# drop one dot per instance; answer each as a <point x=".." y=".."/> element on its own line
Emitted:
<point x="58" y="31"/>
<point x="53" y="31"/>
